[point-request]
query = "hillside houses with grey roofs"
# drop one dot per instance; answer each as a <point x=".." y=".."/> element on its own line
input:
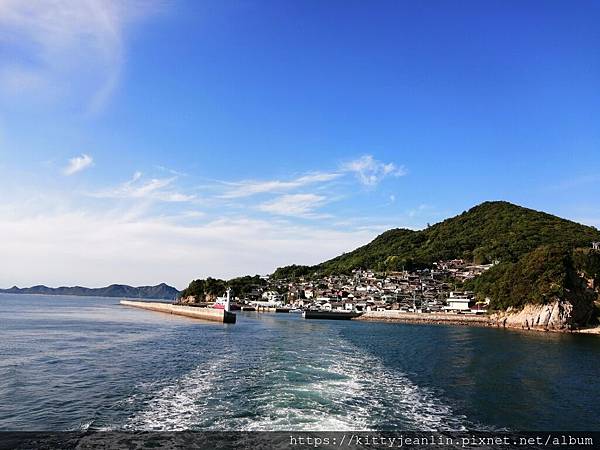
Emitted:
<point x="428" y="290"/>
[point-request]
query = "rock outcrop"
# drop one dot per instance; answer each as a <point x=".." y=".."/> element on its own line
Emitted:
<point x="189" y="300"/>
<point x="557" y="315"/>
<point x="193" y="300"/>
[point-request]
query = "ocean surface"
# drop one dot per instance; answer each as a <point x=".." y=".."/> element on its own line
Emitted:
<point x="76" y="363"/>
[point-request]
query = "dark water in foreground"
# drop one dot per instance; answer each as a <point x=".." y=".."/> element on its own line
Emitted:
<point x="69" y="363"/>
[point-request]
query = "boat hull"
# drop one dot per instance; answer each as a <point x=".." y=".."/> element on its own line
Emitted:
<point x="330" y="315"/>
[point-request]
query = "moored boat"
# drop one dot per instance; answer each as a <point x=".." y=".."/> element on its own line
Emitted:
<point x="330" y="315"/>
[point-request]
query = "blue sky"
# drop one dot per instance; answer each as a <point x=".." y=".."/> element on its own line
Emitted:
<point x="150" y="141"/>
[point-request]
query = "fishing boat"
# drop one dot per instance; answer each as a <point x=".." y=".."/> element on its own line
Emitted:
<point x="330" y="315"/>
<point x="226" y="303"/>
<point x="232" y="306"/>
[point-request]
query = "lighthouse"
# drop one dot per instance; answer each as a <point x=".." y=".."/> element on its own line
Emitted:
<point x="228" y="299"/>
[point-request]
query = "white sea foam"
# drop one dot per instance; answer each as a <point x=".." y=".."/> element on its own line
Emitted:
<point x="178" y="405"/>
<point x="390" y="394"/>
<point x="356" y="394"/>
<point x="340" y="387"/>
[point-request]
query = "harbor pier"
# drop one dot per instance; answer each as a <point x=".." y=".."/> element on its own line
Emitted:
<point x="212" y="314"/>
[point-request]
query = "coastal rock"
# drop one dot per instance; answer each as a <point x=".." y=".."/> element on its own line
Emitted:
<point x="557" y="315"/>
<point x="189" y="300"/>
<point x="193" y="300"/>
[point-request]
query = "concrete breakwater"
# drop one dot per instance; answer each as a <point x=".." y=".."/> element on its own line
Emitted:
<point x="531" y="318"/>
<point x="214" y="315"/>
<point x="441" y="318"/>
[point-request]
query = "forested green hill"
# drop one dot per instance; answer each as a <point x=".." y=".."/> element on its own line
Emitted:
<point x="540" y="256"/>
<point x="488" y="232"/>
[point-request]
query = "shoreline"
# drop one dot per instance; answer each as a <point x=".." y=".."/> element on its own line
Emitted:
<point x="394" y="316"/>
<point x="462" y="320"/>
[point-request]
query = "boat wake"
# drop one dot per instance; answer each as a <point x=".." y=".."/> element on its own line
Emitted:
<point x="180" y="404"/>
<point x="339" y="388"/>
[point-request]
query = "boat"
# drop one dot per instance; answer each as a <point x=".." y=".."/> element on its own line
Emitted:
<point x="232" y="306"/>
<point x="225" y="303"/>
<point x="330" y="315"/>
<point x="296" y="310"/>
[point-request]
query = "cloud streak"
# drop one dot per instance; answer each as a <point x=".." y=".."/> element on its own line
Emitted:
<point x="298" y="205"/>
<point x="370" y="171"/>
<point x="137" y="187"/>
<point x="65" y="47"/>
<point x="77" y="164"/>
<point x="248" y="188"/>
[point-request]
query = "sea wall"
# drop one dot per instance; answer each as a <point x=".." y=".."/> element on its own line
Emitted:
<point x="439" y="318"/>
<point x="215" y="315"/>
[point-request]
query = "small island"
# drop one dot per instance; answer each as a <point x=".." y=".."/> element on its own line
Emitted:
<point x="497" y="264"/>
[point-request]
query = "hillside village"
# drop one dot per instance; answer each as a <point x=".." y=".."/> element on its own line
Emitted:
<point x="427" y="290"/>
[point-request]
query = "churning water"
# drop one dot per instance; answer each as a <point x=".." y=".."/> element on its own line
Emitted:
<point x="70" y="363"/>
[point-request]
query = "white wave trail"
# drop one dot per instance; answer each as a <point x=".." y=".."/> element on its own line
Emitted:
<point x="339" y="387"/>
<point x="357" y="392"/>
<point x="177" y="406"/>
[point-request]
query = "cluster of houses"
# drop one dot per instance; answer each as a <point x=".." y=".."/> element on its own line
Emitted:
<point x="424" y="291"/>
<point x="461" y="271"/>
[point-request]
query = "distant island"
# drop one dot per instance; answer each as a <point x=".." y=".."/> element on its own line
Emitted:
<point x="161" y="291"/>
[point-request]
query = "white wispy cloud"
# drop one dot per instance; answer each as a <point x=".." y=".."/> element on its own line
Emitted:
<point x="370" y="171"/>
<point x="78" y="163"/>
<point x="153" y="189"/>
<point x="252" y="187"/>
<point x="300" y="205"/>
<point x="61" y="46"/>
<point x="59" y="247"/>
<point x="54" y="240"/>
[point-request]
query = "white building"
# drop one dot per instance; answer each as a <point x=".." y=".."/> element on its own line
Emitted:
<point x="271" y="296"/>
<point x="458" y="303"/>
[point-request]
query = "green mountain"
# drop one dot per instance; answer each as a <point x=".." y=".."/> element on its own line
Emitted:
<point x="488" y="232"/>
<point x="540" y="256"/>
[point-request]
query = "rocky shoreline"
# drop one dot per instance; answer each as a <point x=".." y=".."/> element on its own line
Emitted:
<point x="557" y="316"/>
<point x="426" y="318"/>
